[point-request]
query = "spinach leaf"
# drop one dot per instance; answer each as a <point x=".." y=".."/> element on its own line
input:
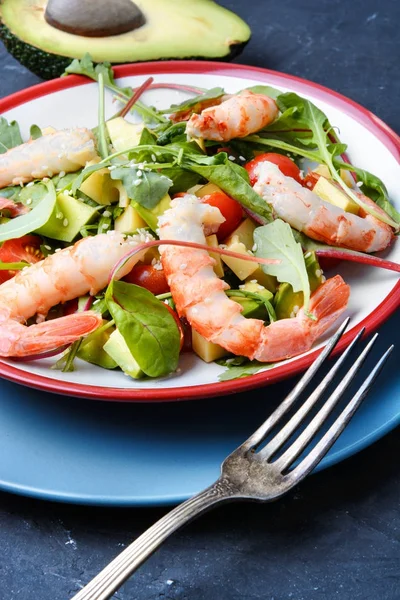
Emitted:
<point x="38" y="216"/>
<point x="10" y="135"/>
<point x="35" y="132"/>
<point x="144" y="187"/>
<point x="175" y="130"/>
<point x="148" y="328"/>
<point x="276" y="240"/>
<point x="239" y="367"/>
<point x="231" y="178"/>
<point x="267" y="90"/>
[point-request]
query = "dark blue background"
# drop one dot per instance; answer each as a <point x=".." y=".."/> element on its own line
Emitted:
<point x="335" y="537"/>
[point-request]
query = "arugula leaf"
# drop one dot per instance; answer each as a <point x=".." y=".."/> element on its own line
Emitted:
<point x="36" y="218"/>
<point x="149" y="329"/>
<point x="239" y="367"/>
<point x="276" y="240"/>
<point x="12" y="266"/>
<point x="146" y="188"/>
<point x="175" y="130"/>
<point x="10" y="135"/>
<point x="186" y="105"/>
<point x="258" y="298"/>
<point x="35" y="132"/>
<point x="101" y="128"/>
<point x="266" y="90"/>
<point x="86" y="67"/>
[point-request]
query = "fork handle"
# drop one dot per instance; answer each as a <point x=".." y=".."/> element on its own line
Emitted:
<point x="121" y="568"/>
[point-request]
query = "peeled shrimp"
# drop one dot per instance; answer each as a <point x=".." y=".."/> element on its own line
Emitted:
<point x="67" y="274"/>
<point x="199" y="294"/>
<point x="67" y="150"/>
<point x="239" y="116"/>
<point x="320" y="220"/>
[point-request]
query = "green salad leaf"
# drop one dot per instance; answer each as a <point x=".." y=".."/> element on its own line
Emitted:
<point x="35" y="132"/>
<point x="211" y="94"/>
<point x="266" y="90"/>
<point x="148" y="328"/>
<point x="36" y="218"/>
<point x="238" y="367"/>
<point x="13" y="266"/>
<point x="276" y="240"/>
<point x="144" y="187"/>
<point x="10" y="135"/>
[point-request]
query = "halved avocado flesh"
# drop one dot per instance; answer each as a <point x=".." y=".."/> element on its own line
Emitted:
<point x="173" y="29"/>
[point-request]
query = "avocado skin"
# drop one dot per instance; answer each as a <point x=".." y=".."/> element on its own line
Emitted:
<point x="49" y="66"/>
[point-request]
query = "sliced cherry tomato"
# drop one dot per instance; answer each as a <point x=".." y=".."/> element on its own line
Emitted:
<point x="26" y="248"/>
<point x="310" y="180"/>
<point x="230" y="210"/>
<point x="179" y="325"/>
<point x="148" y="277"/>
<point x="285" y="164"/>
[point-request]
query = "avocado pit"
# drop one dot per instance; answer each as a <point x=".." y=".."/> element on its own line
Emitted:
<point x="94" y="18"/>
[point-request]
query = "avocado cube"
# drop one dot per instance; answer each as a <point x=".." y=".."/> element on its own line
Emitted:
<point x="207" y="189"/>
<point x="207" y="351"/>
<point x="100" y="187"/>
<point x="151" y="216"/>
<point x="118" y="350"/>
<point x="124" y="135"/>
<point x="129" y="220"/>
<point x="92" y="351"/>
<point x="328" y="191"/>
<point x="268" y="281"/>
<point x="212" y="241"/>
<point x="244" y="233"/>
<point x="241" y="268"/>
<point x="67" y="219"/>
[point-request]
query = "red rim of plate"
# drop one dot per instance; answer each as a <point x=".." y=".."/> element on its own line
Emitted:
<point x="370" y="121"/>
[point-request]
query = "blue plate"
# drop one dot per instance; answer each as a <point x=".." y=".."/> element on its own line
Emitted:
<point x="89" y="452"/>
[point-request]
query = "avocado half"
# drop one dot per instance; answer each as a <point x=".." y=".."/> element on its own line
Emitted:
<point x="172" y="29"/>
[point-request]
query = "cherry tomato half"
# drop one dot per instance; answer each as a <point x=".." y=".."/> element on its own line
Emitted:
<point x="148" y="277"/>
<point x="179" y="325"/>
<point x="26" y="248"/>
<point x="284" y="163"/>
<point x="230" y="210"/>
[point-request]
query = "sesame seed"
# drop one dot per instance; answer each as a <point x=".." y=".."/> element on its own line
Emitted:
<point x="254" y="248"/>
<point x="153" y="158"/>
<point x="47" y="247"/>
<point x="137" y="182"/>
<point x="359" y="184"/>
<point x="62" y="173"/>
<point x="112" y="167"/>
<point x="307" y="255"/>
<point x="65" y="223"/>
<point x="106" y="213"/>
<point x="253" y="281"/>
<point x="323" y="279"/>
<point x="318" y="272"/>
<point x="59" y="215"/>
<point x="232" y="158"/>
<point x="105" y="226"/>
<point x="45" y="179"/>
<point x="29" y="201"/>
<point x="139" y="173"/>
<point x="242" y="158"/>
<point x="57" y="250"/>
<point x="30" y="184"/>
<point x="183" y="266"/>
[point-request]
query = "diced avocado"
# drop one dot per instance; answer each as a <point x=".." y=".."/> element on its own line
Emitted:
<point x="91" y="349"/>
<point x="344" y="174"/>
<point x="207" y="351"/>
<point x="288" y="302"/>
<point x="241" y="268"/>
<point x="256" y="288"/>
<point x="212" y="241"/>
<point x="129" y="220"/>
<point x="252" y="308"/>
<point x="67" y="219"/>
<point x="245" y="234"/>
<point x="151" y="216"/>
<point x="118" y="350"/>
<point x="124" y="135"/>
<point x="100" y="187"/>
<point x="207" y="189"/>
<point x="167" y="29"/>
<point x="328" y="191"/>
<point x="268" y="281"/>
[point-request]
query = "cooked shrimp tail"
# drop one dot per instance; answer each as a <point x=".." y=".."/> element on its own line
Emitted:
<point x="200" y="296"/>
<point x="74" y="271"/>
<point x="19" y="340"/>
<point x="66" y="150"/>
<point x="239" y="116"/>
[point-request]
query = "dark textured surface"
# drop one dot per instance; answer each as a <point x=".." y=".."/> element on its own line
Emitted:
<point x="338" y="535"/>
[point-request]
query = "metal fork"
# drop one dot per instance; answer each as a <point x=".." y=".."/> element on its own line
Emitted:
<point x="255" y="475"/>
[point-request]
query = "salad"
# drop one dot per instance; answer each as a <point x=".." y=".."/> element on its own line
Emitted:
<point x="204" y="228"/>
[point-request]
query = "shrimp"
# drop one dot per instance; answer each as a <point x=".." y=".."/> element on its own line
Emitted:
<point x="307" y="212"/>
<point x="67" y="274"/>
<point x="199" y="294"/>
<point x="65" y="150"/>
<point x="239" y="116"/>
